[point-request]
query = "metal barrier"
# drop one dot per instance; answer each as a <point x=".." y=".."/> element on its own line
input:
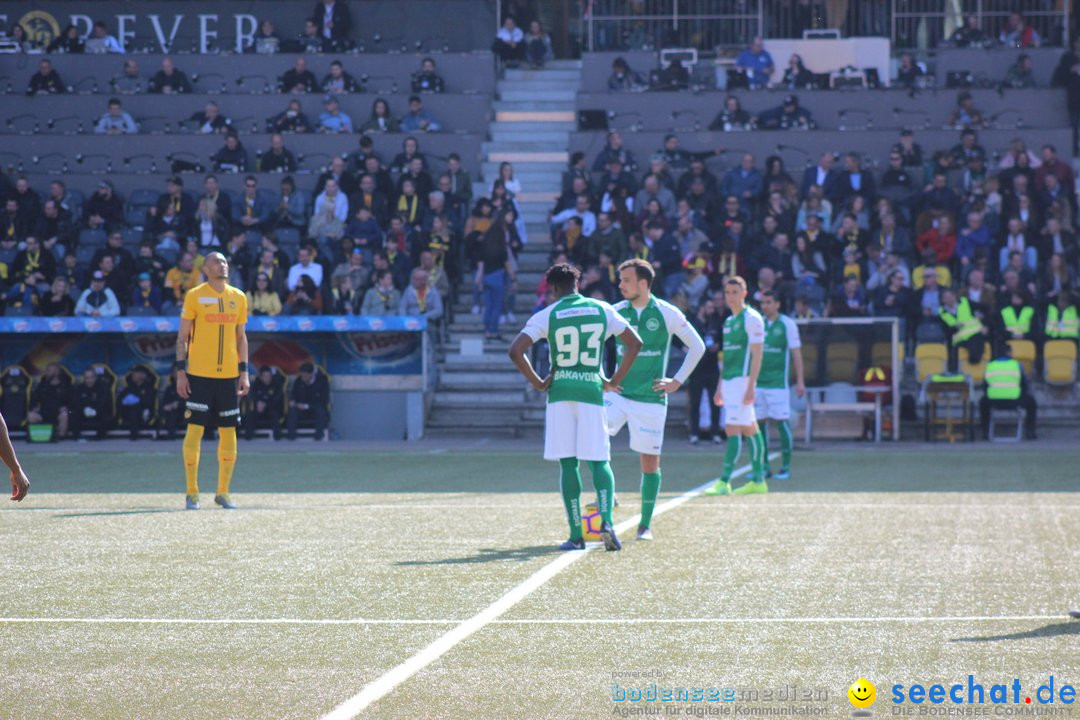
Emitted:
<point x="726" y="24"/>
<point x="650" y="24"/>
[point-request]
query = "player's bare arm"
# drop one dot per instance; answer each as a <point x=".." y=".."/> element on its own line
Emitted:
<point x="243" y="383"/>
<point x="756" y="353"/>
<point x="20" y="485"/>
<point x="631" y="347"/>
<point x="800" y="378"/>
<point x="183" y="387"/>
<point x="517" y="353"/>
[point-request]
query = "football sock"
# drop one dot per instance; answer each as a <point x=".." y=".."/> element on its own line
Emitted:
<point x="786" y="443"/>
<point x="650" y="488"/>
<point x="604" y="482"/>
<point x="764" y="435"/>
<point x="226" y="456"/>
<point x="731" y="455"/>
<point x="757" y="471"/>
<point x="570" y="481"/>
<point x="192" y="446"/>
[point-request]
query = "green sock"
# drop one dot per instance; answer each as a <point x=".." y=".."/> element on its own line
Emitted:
<point x="604" y="482"/>
<point x="757" y="472"/>
<point x="786" y="443"/>
<point x="650" y="488"/>
<point x="570" y="480"/>
<point x="731" y="456"/>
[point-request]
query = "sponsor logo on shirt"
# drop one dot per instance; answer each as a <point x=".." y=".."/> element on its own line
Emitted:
<point x="220" y="317"/>
<point x="576" y="312"/>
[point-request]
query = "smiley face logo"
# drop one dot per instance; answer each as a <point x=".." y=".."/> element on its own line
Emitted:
<point x="862" y="693"/>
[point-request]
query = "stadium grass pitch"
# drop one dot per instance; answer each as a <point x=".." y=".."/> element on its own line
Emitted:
<point x="917" y="564"/>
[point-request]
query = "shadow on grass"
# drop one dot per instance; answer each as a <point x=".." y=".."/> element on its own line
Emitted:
<point x="487" y="555"/>
<point x="110" y="513"/>
<point x="1046" y="631"/>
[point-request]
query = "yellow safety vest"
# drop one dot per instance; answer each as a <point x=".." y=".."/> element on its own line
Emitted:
<point x="1017" y="324"/>
<point x="1064" y="325"/>
<point x="964" y="323"/>
<point x="1003" y="379"/>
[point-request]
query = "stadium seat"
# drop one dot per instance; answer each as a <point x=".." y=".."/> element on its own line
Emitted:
<point x="138" y="203"/>
<point x="15" y="396"/>
<point x="132" y="239"/>
<point x="977" y="371"/>
<point x="1059" y="362"/>
<point x="840" y="393"/>
<point x="85" y="253"/>
<point x="23" y="311"/>
<point x="271" y="198"/>
<point x="139" y="311"/>
<point x="91" y="238"/>
<point x="1023" y="351"/>
<point x="881" y="354"/>
<point x="841" y="362"/>
<point x="930" y="358"/>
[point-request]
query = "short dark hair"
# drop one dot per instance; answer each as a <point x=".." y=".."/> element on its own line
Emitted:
<point x="414" y="98"/>
<point x="770" y="294"/>
<point x="562" y="278"/>
<point x="736" y="280"/>
<point x="641" y="268"/>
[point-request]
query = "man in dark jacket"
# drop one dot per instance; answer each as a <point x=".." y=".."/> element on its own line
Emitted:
<point x="136" y="402"/>
<point x="265" y="405"/>
<point x="310" y="398"/>
<point x="92" y="408"/>
<point x="333" y="20"/>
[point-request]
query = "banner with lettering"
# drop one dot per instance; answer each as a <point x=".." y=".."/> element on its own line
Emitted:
<point x="343" y="345"/>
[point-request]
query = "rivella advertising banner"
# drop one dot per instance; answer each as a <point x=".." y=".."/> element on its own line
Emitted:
<point x="342" y="345"/>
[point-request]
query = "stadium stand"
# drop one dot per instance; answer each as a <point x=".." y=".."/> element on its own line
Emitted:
<point x="519" y="139"/>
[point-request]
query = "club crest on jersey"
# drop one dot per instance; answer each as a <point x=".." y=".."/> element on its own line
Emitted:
<point x="652" y="324"/>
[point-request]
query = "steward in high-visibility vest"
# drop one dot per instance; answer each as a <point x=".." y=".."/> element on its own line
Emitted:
<point x="1003" y="379"/>
<point x="1062" y="320"/>
<point x="960" y="319"/>
<point x="1017" y="319"/>
<point x="1006" y="388"/>
<point x="966" y="327"/>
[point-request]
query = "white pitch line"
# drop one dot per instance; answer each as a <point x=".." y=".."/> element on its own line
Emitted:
<point x="219" y="621"/>
<point x="529" y="621"/>
<point x="388" y="681"/>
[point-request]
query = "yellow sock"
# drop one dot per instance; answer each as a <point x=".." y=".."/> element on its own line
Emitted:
<point x="192" y="446"/>
<point x="226" y="456"/>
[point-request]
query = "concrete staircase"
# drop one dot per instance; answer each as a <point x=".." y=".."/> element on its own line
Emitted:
<point x="481" y="391"/>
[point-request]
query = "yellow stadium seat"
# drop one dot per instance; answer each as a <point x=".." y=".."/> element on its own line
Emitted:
<point x="841" y="361"/>
<point x="881" y="354"/>
<point x="1059" y="362"/>
<point x="1023" y="351"/>
<point x="975" y="371"/>
<point x="809" y="359"/>
<point x="930" y="358"/>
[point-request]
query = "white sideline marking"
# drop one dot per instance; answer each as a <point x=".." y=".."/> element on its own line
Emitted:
<point x="388" y="681"/>
<point x="527" y="621"/>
